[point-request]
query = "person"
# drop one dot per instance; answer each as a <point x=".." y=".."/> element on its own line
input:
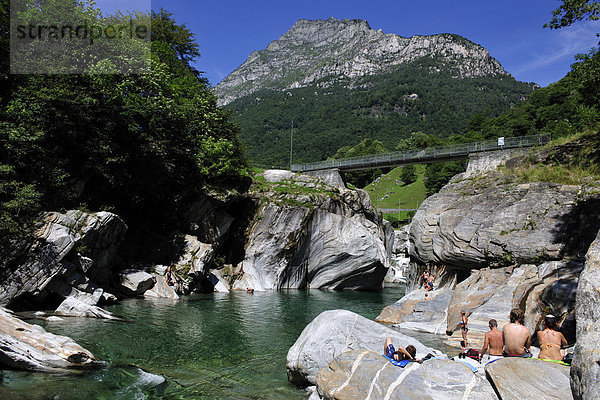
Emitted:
<point x="429" y="283"/>
<point x="516" y="337"/>
<point x="425" y="278"/>
<point x="551" y="341"/>
<point x="402" y="353"/>
<point x="169" y="274"/>
<point x="427" y="297"/>
<point x="463" y="327"/>
<point x="492" y="341"/>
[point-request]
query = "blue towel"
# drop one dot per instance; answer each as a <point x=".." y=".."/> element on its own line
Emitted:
<point x="401" y="364"/>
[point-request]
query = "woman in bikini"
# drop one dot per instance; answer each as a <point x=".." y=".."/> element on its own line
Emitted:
<point x="551" y="341"/>
<point x="463" y="327"/>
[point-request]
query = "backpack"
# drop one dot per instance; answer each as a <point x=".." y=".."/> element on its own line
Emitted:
<point x="474" y="354"/>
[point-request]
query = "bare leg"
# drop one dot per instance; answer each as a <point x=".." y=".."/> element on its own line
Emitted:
<point x="388" y="341"/>
<point x="464" y="335"/>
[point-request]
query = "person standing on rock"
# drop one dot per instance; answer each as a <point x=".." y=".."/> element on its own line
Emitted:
<point x="517" y="338"/>
<point x="493" y="341"/>
<point x="425" y="278"/>
<point x="463" y="327"/>
<point x="551" y="341"/>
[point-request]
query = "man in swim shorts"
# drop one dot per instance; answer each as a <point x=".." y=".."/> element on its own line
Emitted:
<point x="516" y="337"/>
<point x="401" y="354"/>
<point x="493" y="341"/>
<point x="551" y="341"/>
<point x="463" y="327"/>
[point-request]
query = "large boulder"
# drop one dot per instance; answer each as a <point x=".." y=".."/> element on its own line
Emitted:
<point x="529" y="378"/>
<point x="585" y="369"/>
<point x="55" y="253"/>
<point x="334" y="332"/>
<point x="312" y="235"/>
<point x="135" y="282"/>
<point x="83" y="304"/>
<point x="365" y="374"/>
<point x="476" y="221"/>
<point x="30" y="347"/>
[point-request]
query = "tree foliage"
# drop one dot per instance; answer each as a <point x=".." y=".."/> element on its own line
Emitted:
<point x="571" y="11"/>
<point x="142" y="145"/>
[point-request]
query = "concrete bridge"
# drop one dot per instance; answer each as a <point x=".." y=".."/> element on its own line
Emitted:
<point x="424" y="156"/>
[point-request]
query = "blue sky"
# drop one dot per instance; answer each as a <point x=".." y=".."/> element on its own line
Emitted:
<point x="511" y="30"/>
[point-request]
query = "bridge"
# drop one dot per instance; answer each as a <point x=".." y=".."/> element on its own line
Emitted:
<point x="424" y="156"/>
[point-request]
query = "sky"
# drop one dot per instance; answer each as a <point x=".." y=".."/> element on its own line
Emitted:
<point x="512" y="31"/>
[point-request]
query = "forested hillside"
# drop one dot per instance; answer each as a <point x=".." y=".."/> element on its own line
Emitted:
<point x="418" y="96"/>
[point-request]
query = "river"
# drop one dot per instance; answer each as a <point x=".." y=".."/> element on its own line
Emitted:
<point x="213" y="346"/>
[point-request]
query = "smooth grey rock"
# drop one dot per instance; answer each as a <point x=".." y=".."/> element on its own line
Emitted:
<point x="489" y="219"/>
<point x="334" y="332"/>
<point x="330" y="243"/>
<point x="277" y="175"/>
<point x="331" y="177"/>
<point x="585" y="369"/>
<point x="30" y="347"/>
<point x="53" y="255"/>
<point x="135" y="282"/>
<point x="161" y="289"/>
<point x="528" y="378"/>
<point x="84" y="305"/>
<point x="363" y="374"/>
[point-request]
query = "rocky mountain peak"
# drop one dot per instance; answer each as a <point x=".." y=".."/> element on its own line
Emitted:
<point x="313" y="51"/>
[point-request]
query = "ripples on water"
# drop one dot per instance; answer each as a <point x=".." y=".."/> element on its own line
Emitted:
<point x="216" y="346"/>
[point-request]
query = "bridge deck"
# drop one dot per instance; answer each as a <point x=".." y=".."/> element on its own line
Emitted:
<point x="423" y="156"/>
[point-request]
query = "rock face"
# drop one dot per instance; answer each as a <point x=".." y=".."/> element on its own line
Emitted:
<point x="363" y="374"/>
<point x="54" y="259"/>
<point x="494" y="244"/>
<point x="333" y="333"/>
<point x="527" y="378"/>
<point x="313" y="50"/>
<point x="84" y="305"/>
<point x="320" y="236"/>
<point x="30" y="347"/>
<point x="585" y="369"/>
<point x="492" y="219"/>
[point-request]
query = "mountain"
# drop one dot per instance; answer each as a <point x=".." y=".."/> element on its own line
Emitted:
<point x="340" y="81"/>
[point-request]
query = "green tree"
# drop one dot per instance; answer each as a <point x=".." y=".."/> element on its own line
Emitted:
<point x="366" y="147"/>
<point x="408" y="174"/>
<point x="571" y="11"/>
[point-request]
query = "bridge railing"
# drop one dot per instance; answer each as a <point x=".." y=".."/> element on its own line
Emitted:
<point x="427" y="154"/>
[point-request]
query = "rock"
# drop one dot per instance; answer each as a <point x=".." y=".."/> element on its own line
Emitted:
<point x="331" y="177"/>
<point x="585" y="368"/>
<point x="30" y="347"/>
<point x="336" y="241"/>
<point x="366" y="374"/>
<point x="277" y="175"/>
<point x="492" y="220"/>
<point x="54" y="318"/>
<point x="321" y="50"/>
<point x="84" y="305"/>
<point x="135" y="282"/>
<point x="161" y="289"/>
<point x="54" y="253"/>
<point x="401" y="241"/>
<point x="334" y="332"/>
<point x="196" y="255"/>
<point x="528" y="378"/>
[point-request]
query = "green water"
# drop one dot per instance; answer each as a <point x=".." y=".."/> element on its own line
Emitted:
<point x="217" y="346"/>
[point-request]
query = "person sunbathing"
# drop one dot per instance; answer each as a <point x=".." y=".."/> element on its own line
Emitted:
<point x="402" y="353"/>
<point x="551" y="341"/>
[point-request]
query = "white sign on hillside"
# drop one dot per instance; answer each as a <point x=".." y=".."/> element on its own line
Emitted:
<point x="501" y="141"/>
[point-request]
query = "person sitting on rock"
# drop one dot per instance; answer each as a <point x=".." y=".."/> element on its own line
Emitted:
<point x="516" y="337"/>
<point x="169" y="274"/>
<point x="402" y="353"/>
<point x="493" y="341"/>
<point x="429" y="283"/>
<point x="551" y="341"/>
